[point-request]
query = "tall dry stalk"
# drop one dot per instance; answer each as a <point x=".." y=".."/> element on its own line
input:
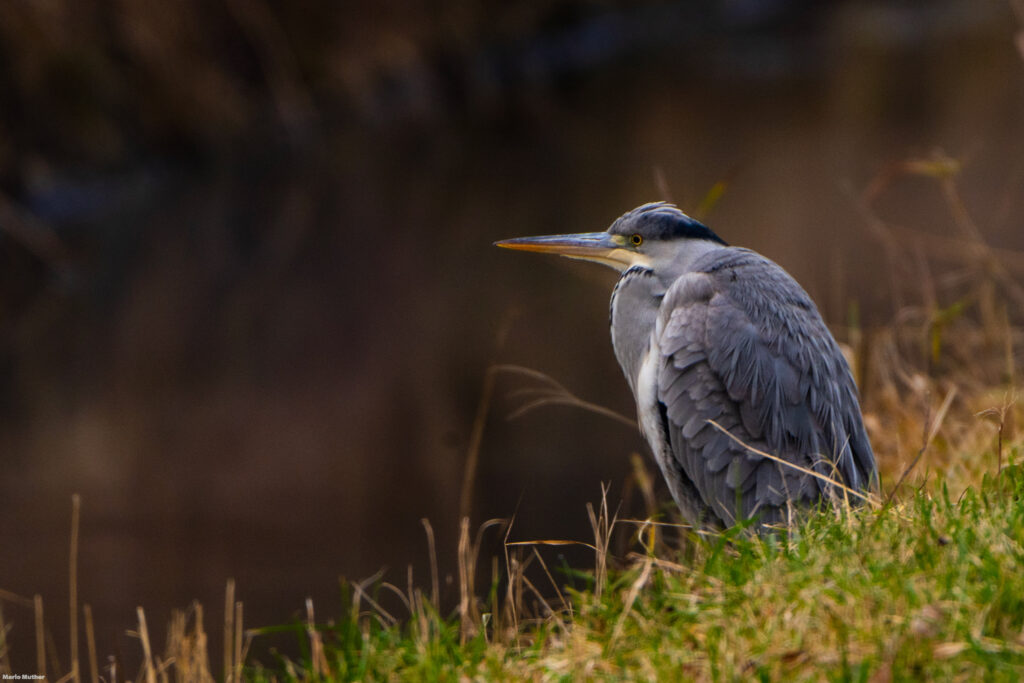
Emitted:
<point x="76" y="503"/>
<point x="602" y="527"/>
<point x="40" y="635"/>
<point x="149" y="670"/>
<point x="90" y="642"/>
<point x="229" y="630"/>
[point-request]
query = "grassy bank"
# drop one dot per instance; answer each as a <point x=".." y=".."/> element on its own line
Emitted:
<point x="930" y="588"/>
<point x="924" y="583"/>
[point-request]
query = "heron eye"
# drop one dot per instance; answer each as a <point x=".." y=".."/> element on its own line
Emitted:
<point x="636" y="240"/>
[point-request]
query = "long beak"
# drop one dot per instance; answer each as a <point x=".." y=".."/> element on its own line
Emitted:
<point x="599" y="247"/>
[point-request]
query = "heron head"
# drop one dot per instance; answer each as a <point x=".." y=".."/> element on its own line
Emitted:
<point x="651" y="236"/>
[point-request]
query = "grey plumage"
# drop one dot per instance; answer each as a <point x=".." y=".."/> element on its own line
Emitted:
<point x="709" y="335"/>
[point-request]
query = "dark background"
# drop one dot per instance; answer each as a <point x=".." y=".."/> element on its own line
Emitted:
<point x="248" y="295"/>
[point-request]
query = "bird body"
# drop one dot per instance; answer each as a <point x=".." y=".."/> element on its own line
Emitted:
<point x="728" y="360"/>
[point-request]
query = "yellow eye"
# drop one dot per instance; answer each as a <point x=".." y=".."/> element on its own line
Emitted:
<point x="636" y="240"/>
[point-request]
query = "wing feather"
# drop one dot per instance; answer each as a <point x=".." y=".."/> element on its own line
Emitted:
<point x="740" y="343"/>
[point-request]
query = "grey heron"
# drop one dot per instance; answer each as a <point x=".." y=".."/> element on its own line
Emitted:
<point x="741" y="391"/>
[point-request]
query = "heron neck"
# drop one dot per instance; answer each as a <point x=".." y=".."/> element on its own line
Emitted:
<point x="637" y="298"/>
<point x="634" y="310"/>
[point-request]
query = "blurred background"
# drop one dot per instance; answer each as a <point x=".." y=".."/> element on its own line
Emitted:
<point x="248" y="296"/>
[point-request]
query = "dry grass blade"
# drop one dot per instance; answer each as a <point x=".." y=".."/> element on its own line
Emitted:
<point x="999" y="415"/>
<point x="316" y="643"/>
<point x="76" y="504"/>
<point x="553" y="542"/>
<point x="630" y="599"/>
<point x="932" y="429"/>
<point x="664" y="565"/>
<point x="644" y="482"/>
<point x="229" y="629"/>
<point x="149" y="669"/>
<point x="238" y="642"/>
<point x="466" y="574"/>
<point x="40" y="636"/>
<point x="435" y="589"/>
<point x="642" y="478"/>
<point x="469" y="612"/>
<point x="554" y="393"/>
<point x="513" y="591"/>
<point x="650" y="522"/>
<point x="566" y="606"/>
<point x="186" y="649"/>
<point x="602" y="527"/>
<point x="866" y="497"/>
<point x="90" y="643"/>
<point x="8" y="596"/>
<point x="51" y="651"/>
<point x="542" y="601"/>
<point x="359" y="595"/>
<point x="406" y="600"/>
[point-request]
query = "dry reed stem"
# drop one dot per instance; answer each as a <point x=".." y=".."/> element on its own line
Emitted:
<point x="468" y="551"/>
<point x="495" y="605"/>
<point x="202" y="657"/>
<point x="316" y="643"/>
<point x="51" y="652"/>
<point x="602" y="527"/>
<point x="566" y="605"/>
<point x="646" y="485"/>
<point x="76" y="504"/>
<point x="1009" y="399"/>
<point x="541" y="600"/>
<point x="467" y="620"/>
<point x="511" y="568"/>
<point x="359" y="594"/>
<point x="90" y="643"/>
<point x="663" y="565"/>
<point x="40" y="635"/>
<point x="186" y="650"/>
<point x="435" y="590"/>
<point x="147" y="651"/>
<point x="405" y="600"/>
<point x="8" y="596"/>
<point x="229" y="629"/>
<point x="238" y="642"/>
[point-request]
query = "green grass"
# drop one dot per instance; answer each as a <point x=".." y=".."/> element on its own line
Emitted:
<point x="931" y="588"/>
